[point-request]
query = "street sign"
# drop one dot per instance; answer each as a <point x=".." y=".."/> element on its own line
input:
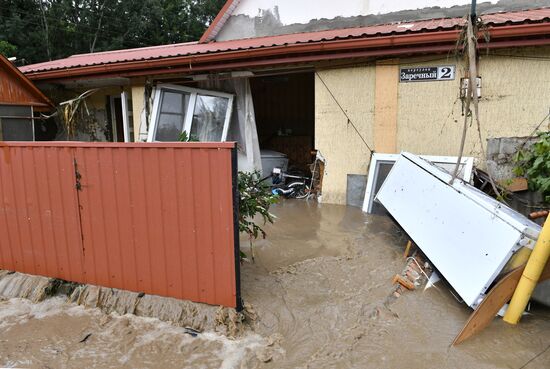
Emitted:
<point x="423" y="74"/>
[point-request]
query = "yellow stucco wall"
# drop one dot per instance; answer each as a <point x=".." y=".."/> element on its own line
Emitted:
<point x="138" y="92"/>
<point x="514" y="98"/>
<point x="385" y="109"/>
<point x="515" y="93"/>
<point x="334" y="137"/>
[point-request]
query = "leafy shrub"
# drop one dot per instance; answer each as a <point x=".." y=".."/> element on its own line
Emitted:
<point x="255" y="200"/>
<point x="184" y="137"/>
<point x="534" y="164"/>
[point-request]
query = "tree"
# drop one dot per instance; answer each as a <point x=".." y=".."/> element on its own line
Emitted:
<point x="53" y="29"/>
<point x="20" y="26"/>
<point x="7" y="49"/>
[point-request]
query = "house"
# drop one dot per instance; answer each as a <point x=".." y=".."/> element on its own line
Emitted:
<point x="344" y="80"/>
<point x="20" y="100"/>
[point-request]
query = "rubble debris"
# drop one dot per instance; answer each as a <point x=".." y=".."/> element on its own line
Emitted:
<point x="85" y="338"/>
<point x="405" y="282"/>
<point x="514" y="184"/>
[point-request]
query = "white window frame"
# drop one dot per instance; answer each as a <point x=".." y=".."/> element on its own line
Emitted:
<point x="113" y="117"/>
<point x="188" y="121"/>
<point x="467" y="163"/>
<point x="127" y="117"/>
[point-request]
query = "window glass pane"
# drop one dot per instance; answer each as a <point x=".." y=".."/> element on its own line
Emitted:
<point x="209" y="117"/>
<point x="169" y="127"/>
<point x="174" y="102"/>
<point x="16" y="129"/>
<point x="173" y="107"/>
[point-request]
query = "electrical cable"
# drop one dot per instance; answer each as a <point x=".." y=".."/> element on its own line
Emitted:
<point x="345" y="114"/>
<point x="534" y="131"/>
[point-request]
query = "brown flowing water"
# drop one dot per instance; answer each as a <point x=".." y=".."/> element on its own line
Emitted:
<point x="317" y="297"/>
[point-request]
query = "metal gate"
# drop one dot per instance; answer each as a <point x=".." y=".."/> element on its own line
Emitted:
<point x="158" y="218"/>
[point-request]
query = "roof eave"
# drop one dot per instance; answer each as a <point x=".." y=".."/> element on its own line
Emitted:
<point x="515" y="35"/>
<point x="28" y="83"/>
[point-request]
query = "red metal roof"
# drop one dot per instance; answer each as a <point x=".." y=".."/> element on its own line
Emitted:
<point x="368" y="32"/>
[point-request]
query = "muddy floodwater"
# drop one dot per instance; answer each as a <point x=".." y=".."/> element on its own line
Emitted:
<point x="317" y="296"/>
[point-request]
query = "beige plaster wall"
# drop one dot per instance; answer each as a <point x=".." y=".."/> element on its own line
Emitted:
<point x="515" y="97"/>
<point x="137" y="94"/>
<point x="334" y="137"/>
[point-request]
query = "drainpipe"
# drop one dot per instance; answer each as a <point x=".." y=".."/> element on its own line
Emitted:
<point x="535" y="265"/>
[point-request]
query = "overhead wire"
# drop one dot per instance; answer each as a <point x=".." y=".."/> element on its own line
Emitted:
<point x="345" y="113"/>
<point x="534" y="131"/>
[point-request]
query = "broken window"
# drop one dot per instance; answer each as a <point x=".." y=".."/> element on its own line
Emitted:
<point x="16" y="123"/>
<point x="203" y="114"/>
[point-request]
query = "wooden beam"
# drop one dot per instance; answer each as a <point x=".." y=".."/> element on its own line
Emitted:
<point x="499" y="295"/>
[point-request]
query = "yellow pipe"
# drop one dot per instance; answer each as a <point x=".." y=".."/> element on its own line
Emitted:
<point x="535" y="265"/>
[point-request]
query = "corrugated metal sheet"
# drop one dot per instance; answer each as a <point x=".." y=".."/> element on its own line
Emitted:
<point x="39" y="213"/>
<point x="153" y="218"/>
<point x="194" y="48"/>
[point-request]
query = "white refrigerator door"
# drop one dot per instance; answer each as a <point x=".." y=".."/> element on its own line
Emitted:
<point x="465" y="240"/>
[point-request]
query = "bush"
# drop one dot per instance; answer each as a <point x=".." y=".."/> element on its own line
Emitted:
<point x="255" y="199"/>
<point x="534" y="164"/>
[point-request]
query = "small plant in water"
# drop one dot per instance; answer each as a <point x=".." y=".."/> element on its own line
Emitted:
<point x="255" y="201"/>
<point x="255" y="198"/>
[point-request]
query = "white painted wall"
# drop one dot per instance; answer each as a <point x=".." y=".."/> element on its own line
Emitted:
<point x="302" y="11"/>
<point x="389" y="6"/>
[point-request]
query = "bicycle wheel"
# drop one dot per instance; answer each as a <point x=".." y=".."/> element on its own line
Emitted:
<point x="302" y="192"/>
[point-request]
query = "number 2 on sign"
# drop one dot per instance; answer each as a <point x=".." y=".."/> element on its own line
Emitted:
<point x="447" y="72"/>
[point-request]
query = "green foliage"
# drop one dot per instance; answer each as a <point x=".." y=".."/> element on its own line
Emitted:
<point x="184" y="137"/>
<point x="534" y="164"/>
<point x="255" y="200"/>
<point x="7" y="49"/>
<point x="53" y="29"/>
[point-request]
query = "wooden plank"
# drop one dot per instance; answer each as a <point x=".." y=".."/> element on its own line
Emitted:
<point x="514" y="184"/>
<point x="499" y="295"/>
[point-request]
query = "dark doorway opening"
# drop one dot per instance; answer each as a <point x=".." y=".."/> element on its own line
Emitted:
<point x="285" y="116"/>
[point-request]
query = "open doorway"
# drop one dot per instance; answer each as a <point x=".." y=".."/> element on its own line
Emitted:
<point x="285" y="117"/>
<point x="121" y="125"/>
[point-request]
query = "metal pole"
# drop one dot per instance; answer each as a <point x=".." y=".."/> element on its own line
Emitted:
<point x="473" y="14"/>
<point x="530" y="277"/>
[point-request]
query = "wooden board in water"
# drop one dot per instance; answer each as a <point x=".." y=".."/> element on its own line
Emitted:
<point x="499" y="295"/>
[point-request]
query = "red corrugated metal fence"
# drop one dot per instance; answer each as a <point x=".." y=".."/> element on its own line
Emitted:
<point x="153" y="218"/>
